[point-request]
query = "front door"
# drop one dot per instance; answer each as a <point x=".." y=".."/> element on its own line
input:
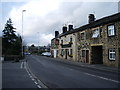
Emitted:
<point x="87" y="56"/>
<point x="66" y="53"/>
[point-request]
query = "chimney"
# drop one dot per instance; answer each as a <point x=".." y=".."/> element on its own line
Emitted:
<point x="56" y="33"/>
<point x="91" y="18"/>
<point x="70" y="27"/>
<point x="64" y="29"/>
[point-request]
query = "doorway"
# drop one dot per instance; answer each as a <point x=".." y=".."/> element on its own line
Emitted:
<point x="97" y="55"/>
<point x="87" y="56"/>
<point x="66" y="53"/>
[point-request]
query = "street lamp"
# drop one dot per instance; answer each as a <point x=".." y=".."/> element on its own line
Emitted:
<point x="38" y="43"/>
<point x="22" y="32"/>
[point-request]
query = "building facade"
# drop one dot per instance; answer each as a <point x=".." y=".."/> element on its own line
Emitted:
<point x="54" y="47"/>
<point x="67" y="48"/>
<point x="97" y="42"/>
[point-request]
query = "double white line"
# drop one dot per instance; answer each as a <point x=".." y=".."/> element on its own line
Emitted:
<point x="32" y="76"/>
<point x="23" y="65"/>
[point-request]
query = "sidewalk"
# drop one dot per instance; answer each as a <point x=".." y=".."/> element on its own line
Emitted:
<point x="91" y="66"/>
<point x="15" y="76"/>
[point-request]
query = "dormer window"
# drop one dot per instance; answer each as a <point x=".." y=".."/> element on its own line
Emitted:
<point x="111" y="30"/>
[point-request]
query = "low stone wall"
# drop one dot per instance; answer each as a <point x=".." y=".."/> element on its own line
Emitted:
<point x="11" y="57"/>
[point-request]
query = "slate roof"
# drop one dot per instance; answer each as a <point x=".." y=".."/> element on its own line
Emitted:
<point x="99" y="22"/>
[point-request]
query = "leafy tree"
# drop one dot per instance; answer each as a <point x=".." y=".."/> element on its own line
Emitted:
<point x="10" y="41"/>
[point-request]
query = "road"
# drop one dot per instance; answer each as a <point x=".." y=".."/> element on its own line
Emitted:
<point x="54" y="74"/>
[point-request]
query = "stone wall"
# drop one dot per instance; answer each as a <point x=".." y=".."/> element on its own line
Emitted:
<point x="107" y="42"/>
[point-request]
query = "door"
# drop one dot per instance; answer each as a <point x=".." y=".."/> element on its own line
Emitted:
<point x="97" y="55"/>
<point x="66" y="53"/>
<point x="55" y="54"/>
<point x="87" y="56"/>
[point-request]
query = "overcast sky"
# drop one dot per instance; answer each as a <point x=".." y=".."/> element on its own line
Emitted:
<point x="43" y="17"/>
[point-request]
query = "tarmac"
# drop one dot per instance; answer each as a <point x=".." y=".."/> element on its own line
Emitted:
<point x="90" y="66"/>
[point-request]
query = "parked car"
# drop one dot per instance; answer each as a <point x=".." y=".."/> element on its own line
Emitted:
<point x="48" y="54"/>
<point x="27" y="53"/>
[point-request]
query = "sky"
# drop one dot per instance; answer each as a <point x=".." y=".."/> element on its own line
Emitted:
<point x="43" y="17"/>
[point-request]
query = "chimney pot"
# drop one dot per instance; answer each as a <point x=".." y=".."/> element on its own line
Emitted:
<point x="64" y="29"/>
<point x="91" y="18"/>
<point x="56" y="33"/>
<point x="70" y="27"/>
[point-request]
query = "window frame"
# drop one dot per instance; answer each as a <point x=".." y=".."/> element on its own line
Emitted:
<point x="111" y="34"/>
<point x="112" y="52"/>
<point x="82" y="36"/>
<point x="71" y="39"/>
<point x="83" y="53"/>
<point x="71" y="52"/>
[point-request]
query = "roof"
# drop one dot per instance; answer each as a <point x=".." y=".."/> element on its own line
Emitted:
<point x="99" y="22"/>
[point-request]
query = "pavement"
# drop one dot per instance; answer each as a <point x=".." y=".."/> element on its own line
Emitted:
<point x="93" y="66"/>
<point x="14" y="75"/>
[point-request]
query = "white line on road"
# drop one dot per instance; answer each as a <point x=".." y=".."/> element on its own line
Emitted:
<point x="102" y="77"/>
<point x="21" y="65"/>
<point x="32" y="76"/>
<point x="38" y="86"/>
<point x="35" y="82"/>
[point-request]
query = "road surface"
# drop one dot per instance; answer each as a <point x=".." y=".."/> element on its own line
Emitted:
<point x="54" y="74"/>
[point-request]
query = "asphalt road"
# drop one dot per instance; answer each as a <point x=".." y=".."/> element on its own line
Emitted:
<point x="54" y="74"/>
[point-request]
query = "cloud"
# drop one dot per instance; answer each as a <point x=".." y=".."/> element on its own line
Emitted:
<point x="46" y="16"/>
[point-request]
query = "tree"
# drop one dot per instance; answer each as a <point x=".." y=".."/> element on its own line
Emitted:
<point x="10" y="41"/>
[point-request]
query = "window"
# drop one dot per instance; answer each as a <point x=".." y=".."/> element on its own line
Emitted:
<point x="56" y="42"/>
<point x="61" y="41"/>
<point x="111" y="54"/>
<point x="82" y="36"/>
<point x="96" y="33"/>
<point x="62" y="52"/>
<point x="111" y="30"/>
<point x="70" y="39"/>
<point x="70" y="51"/>
<point x="83" y="53"/>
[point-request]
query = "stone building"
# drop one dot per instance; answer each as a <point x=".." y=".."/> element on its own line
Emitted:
<point x="99" y="41"/>
<point x="67" y="48"/>
<point x="55" y="45"/>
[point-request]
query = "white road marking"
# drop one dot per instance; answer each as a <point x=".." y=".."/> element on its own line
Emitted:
<point x="38" y="86"/>
<point x="102" y="77"/>
<point x="33" y="79"/>
<point x="21" y="65"/>
<point x="31" y="75"/>
<point x="35" y="82"/>
<point x="25" y="65"/>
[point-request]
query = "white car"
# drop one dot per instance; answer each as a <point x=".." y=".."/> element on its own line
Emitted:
<point x="48" y="54"/>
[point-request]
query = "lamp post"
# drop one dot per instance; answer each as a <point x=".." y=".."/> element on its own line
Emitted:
<point x="38" y="43"/>
<point x="22" y="32"/>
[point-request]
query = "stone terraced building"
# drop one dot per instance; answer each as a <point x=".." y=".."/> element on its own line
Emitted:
<point x="97" y="42"/>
